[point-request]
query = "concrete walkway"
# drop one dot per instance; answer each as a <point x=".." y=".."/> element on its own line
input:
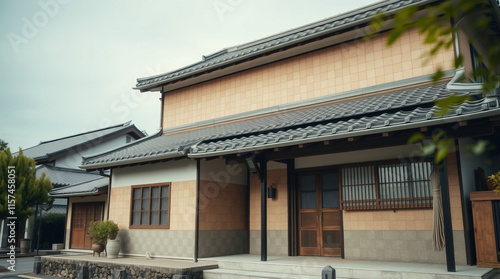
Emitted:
<point x="347" y="268"/>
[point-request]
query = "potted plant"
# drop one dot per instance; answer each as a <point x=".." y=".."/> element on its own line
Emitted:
<point x="494" y="179"/>
<point x="98" y="234"/>
<point x="113" y="244"/>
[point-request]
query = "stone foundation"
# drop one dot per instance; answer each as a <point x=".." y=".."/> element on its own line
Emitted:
<point x="66" y="268"/>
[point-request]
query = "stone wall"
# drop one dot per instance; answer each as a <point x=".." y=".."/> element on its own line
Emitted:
<point x="64" y="268"/>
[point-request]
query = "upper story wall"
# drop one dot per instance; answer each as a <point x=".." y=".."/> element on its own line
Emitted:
<point x="348" y="66"/>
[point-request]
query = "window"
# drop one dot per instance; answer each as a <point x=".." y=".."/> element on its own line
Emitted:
<point x="479" y="69"/>
<point x="150" y="206"/>
<point x="386" y="185"/>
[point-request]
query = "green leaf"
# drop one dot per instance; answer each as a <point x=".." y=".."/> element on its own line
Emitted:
<point x="441" y="154"/>
<point x="480" y="147"/>
<point x="415" y="138"/>
<point x="439" y="74"/>
<point x="428" y="149"/>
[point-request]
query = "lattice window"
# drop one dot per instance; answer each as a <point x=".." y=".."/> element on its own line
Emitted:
<point x="150" y="206"/>
<point x="386" y="185"/>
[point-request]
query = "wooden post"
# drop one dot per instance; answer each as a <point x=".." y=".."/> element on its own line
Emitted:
<point x="448" y="229"/>
<point x="263" y="211"/>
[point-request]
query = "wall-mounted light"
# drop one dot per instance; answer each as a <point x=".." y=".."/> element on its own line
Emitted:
<point x="271" y="192"/>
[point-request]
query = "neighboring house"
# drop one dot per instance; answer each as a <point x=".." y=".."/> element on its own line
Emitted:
<point x="296" y="144"/>
<point x="77" y="190"/>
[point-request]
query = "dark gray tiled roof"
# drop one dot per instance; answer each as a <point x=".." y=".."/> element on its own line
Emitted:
<point x="45" y="149"/>
<point x="93" y="187"/>
<point x="151" y="148"/>
<point x="65" y="176"/>
<point x="58" y="209"/>
<point x="360" y="125"/>
<point x="281" y="40"/>
<point x="369" y="111"/>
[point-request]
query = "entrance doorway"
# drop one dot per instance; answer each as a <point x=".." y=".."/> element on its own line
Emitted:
<point x="82" y="215"/>
<point x="320" y="218"/>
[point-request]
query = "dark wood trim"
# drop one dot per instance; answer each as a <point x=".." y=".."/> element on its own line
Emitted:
<point x="484" y="196"/>
<point x="167" y="226"/>
<point x="479" y="127"/>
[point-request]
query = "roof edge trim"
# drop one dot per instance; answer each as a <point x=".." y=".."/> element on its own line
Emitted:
<point x="352" y="134"/>
<point x="170" y="155"/>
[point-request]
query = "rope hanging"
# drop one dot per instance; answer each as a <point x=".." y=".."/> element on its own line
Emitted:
<point x="437" y="208"/>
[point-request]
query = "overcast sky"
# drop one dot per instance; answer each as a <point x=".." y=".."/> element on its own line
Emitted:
<point x="68" y="66"/>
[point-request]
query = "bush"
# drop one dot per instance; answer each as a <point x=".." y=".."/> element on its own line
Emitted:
<point x="494" y="179"/>
<point x="111" y="229"/>
<point x="100" y="231"/>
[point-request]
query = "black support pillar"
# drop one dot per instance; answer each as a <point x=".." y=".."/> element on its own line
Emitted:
<point x="263" y="211"/>
<point x="197" y="213"/>
<point x="448" y="229"/>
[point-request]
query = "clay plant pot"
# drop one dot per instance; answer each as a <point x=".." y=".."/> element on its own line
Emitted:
<point x="97" y="248"/>
<point x="112" y="248"/>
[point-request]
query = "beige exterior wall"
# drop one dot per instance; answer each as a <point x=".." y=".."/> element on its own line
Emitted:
<point x="328" y="71"/>
<point x="277" y="214"/>
<point x="222" y="208"/>
<point x="181" y="208"/>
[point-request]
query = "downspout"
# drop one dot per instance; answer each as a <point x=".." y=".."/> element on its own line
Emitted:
<point x="101" y="172"/>
<point x="66" y="223"/>
<point x="162" y="99"/>
<point x="197" y="212"/>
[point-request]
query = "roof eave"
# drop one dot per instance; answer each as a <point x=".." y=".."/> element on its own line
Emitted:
<point x="133" y="161"/>
<point x="94" y="192"/>
<point x="158" y="86"/>
<point x="438" y="121"/>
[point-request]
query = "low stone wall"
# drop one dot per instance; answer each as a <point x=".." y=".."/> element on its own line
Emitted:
<point x="67" y="268"/>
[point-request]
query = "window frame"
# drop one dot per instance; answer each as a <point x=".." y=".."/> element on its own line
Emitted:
<point x="149" y="210"/>
<point x="378" y="203"/>
<point x="479" y="69"/>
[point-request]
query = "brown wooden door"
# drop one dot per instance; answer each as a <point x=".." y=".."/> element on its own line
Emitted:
<point x="320" y="230"/>
<point x="82" y="215"/>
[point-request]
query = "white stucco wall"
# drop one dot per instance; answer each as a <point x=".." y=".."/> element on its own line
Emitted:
<point x="172" y="171"/>
<point x="74" y="160"/>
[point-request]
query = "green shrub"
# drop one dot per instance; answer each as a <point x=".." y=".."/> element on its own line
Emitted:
<point x="494" y="179"/>
<point x="100" y="231"/>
